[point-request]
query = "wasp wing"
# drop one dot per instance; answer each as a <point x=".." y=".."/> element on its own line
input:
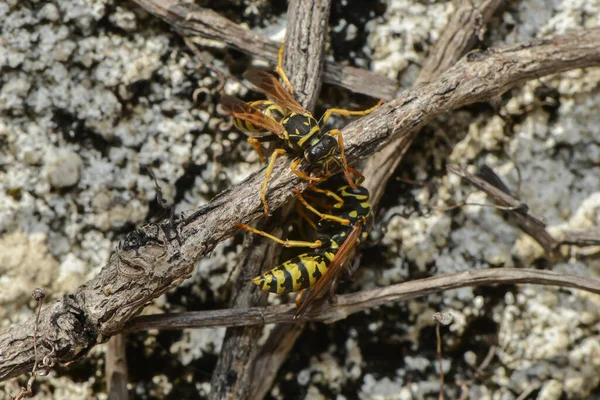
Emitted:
<point x="334" y="269"/>
<point x="239" y="109"/>
<point x="270" y="86"/>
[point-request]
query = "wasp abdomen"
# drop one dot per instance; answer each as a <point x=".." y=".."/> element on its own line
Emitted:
<point x="298" y="273"/>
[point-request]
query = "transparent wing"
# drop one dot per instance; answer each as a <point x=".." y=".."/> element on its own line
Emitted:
<point x="239" y="109"/>
<point x="270" y="86"/>
<point x="335" y="267"/>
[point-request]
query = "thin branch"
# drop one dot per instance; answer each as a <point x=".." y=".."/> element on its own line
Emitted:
<point x="116" y="368"/>
<point x="458" y="37"/>
<point x="463" y="31"/>
<point x="189" y="19"/>
<point x="492" y="185"/>
<point x="240" y="359"/>
<point x="154" y="258"/>
<point x="348" y="304"/>
<point x="272" y="355"/>
<point x="582" y="237"/>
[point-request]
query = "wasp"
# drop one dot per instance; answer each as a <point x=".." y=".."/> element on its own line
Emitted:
<point x="297" y="131"/>
<point x="339" y="230"/>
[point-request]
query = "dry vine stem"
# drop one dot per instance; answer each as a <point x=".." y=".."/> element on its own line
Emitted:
<point x="458" y="37"/>
<point x="356" y="302"/>
<point x="191" y="20"/>
<point x="151" y="260"/>
<point x="527" y="222"/>
<point x="306" y="37"/>
<point x="233" y="376"/>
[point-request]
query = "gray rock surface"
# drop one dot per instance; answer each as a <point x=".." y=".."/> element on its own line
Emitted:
<point x="93" y="91"/>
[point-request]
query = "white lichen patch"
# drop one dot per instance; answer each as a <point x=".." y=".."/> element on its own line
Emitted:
<point x="544" y="336"/>
<point x="25" y="264"/>
<point x="384" y="388"/>
<point x="198" y="342"/>
<point x="405" y="26"/>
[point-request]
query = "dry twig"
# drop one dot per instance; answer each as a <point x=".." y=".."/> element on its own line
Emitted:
<point x="189" y="19"/>
<point x="493" y="186"/>
<point x="441" y="319"/>
<point x="348" y="304"/>
<point x="116" y="368"/>
<point x="458" y="37"/>
<point x="151" y="260"/>
<point x="582" y="237"/>
<point x="239" y="372"/>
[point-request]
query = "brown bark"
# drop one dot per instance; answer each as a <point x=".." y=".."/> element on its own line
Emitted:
<point x="189" y="19"/>
<point x="458" y="37"/>
<point x="116" y="368"/>
<point x="356" y="302"/>
<point x="304" y="57"/>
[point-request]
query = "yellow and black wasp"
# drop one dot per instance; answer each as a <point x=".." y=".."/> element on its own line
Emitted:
<point x="340" y="229"/>
<point x="297" y="131"/>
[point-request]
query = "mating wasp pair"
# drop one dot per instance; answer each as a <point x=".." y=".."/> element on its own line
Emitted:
<point x="283" y="119"/>
<point x="346" y="215"/>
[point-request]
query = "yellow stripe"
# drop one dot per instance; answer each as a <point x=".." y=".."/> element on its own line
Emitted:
<point x="314" y="130"/>
<point x="279" y="274"/>
<point x="296" y="274"/>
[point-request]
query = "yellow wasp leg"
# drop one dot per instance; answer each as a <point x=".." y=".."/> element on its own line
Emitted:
<point x="285" y="243"/>
<point x="302" y="175"/>
<point x="321" y="215"/>
<point x="339" y="202"/>
<point x="254" y="142"/>
<point x="300" y="211"/>
<point x="348" y="113"/>
<point x="263" y="193"/>
<point x="338" y="133"/>
<point x="281" y="72"/>
<point x="360" y="178"/>
<point x="300" y="297"/>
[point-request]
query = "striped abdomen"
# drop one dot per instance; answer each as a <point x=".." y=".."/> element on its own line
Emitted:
<point x="298" y="273"/>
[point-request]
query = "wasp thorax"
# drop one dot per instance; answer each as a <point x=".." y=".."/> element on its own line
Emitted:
<point x="322" y="150"/>
<point x="299" y="126"/>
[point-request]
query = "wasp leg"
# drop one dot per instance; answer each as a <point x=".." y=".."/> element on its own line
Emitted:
<point x="254" y="142"/>
<point x="300" y="211"/>
<point x="348" y="113"/>
<point x="263" y="193"/>
<point x="300" y="297"/>
<point x="285" y="243"/>
<point x="338" y="133"/>
<point x="280" y="71"/>
<point x="339" y="202"/>
<point x="329" y="217"/>
<point x="302" y="175"/>
<point x="316" y="201"/>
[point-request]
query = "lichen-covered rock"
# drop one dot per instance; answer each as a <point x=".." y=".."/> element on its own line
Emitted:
<point x="92" y="92"/>
<point x="62" y="168"/>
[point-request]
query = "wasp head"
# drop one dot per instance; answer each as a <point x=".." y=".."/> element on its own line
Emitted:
<point x="322" y="150"/>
